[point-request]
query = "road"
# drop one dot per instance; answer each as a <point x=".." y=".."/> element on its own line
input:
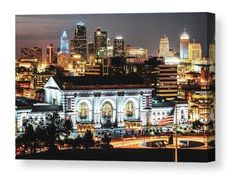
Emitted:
<point x="137" y="142"/>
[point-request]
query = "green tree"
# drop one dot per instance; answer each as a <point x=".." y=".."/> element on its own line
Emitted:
<point x="88" y="141"/>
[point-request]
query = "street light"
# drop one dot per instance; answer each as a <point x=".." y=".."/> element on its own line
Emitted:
<point x="176" y="139"/>
<point x="205" y="138"/>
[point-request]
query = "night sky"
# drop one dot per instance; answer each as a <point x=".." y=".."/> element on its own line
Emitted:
<point x="143" y="30"/>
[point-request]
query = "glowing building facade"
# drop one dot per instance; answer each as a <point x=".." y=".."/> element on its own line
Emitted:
<point x="194" y="51"/>
<point x="101" y="100"/>
<point x="212" y="52"/>
<point x="184" y="42"/>
<point x="164" y="47"/>
<point x="167" y="81"/>
<point x="118" y="50"/>
<point x="136" y="54"/>
<point x="64" y="43"/>
<point x="109" y="48"/>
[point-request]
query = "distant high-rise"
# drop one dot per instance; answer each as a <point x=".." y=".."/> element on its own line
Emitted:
<point x="212" y="52"/>
<point x="194" y="51"/>
<point x="167" y="81"/>
<point x="118" y="50"/>
<point x="164" y="47"/>
<point x="31" y="53"/>
<point x="100" y="43"/>
<point x="64" y="43"/>
<point x="50" y="56"/>
<point x="184" y="41"/>
<point x="109" y="48"/>
<point x="79" y="43"/>
<point x="91" y="51"/>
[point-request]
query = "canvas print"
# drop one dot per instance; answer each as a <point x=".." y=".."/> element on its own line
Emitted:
<point x="131" y="87"/>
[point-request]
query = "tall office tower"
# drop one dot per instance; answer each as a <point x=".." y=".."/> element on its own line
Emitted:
<point x="31" y="53"/>
<point x="109" y="48"/>
<point x="194" y="51"/>
<point x="100" y="43"/>
<point x="91" y="52"/>
<point x="184" y="41"/>
<point x="64" y="43"/>
<point x="166" y="85"/>
<point x="79" y="43"/>
<point x="212" y="52"/>
<point x="164" y="48"/>
<point x="50" y="56"/>
<point x="118" y="50"/>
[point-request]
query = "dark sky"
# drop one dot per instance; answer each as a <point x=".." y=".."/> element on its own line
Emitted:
<point x="142" y="30"/>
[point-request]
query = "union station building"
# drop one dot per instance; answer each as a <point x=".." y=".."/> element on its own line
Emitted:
<point x="105" y="102"/>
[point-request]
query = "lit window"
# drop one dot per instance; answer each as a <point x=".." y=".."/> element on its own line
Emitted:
<point x="129" y="109"/>
<point x="83" y="110"/>
<point x="107" y="110"/>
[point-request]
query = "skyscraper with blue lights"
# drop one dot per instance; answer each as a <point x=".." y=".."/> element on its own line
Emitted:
<point x="64" y="43"/>
<point x="184" y="42"/>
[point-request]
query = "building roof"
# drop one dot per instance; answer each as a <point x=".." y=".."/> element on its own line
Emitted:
<point x="35" y="105"/>
<point x="23" y="102"/>
<point x="47" y="108"/>
<point x="100" y="82"/>
<point x="184" y="35"/>
<point x="161" y="102"/>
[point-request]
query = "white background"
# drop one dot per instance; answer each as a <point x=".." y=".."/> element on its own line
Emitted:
<point x="12" y="170"/>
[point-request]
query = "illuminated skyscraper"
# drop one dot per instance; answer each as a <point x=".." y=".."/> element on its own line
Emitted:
<point x="50" y="57"/>
<point x="118" y="50"/>
<point x="100" y="43"/>
<point x="109" y="48"/>
<point x="79" y="43"/>
<point x="64" y="43"/>
<point x="164" y="47"/>
<point x="184" y="41"/>
<point x="167" y="81"/>
<point x="194" y="51"/>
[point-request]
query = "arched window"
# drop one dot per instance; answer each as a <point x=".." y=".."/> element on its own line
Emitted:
<point x="107" y="110"/>
<point x="83" y="110"/>
<point x="129" y="109"/>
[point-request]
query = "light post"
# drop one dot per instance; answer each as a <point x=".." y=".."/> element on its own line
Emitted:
<point x="176" y="143"/>
<point x="122" y="139"/>
<point x="205" y="139"/>
<point x="176" y="139"/>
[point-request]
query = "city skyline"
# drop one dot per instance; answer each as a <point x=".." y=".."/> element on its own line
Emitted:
<point x="127" y="92"/>
<point x="41" y="30"/>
